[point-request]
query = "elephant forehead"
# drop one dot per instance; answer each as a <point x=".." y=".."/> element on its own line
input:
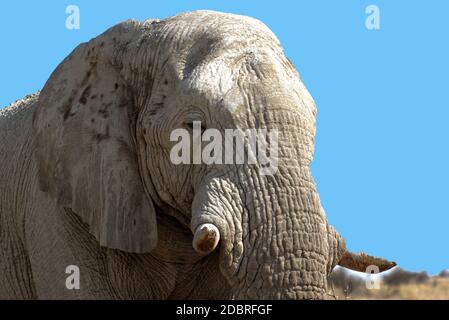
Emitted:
<point x="195" y="37"/>
<point x="204" y="79"/>
<point x="222" y="25"/>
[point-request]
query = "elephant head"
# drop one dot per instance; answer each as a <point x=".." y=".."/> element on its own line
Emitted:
<point x="103" y="125"/>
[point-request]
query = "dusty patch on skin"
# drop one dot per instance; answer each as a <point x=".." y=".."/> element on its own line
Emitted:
<point x="104" y="110"/>
<point x="66" y="109"/>
<point x="102" y="136"/>
<point x="85" y="95"/>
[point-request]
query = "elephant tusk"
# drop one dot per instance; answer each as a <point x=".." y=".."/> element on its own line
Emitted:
<point x="206" y="238"/>
<point x="360" y="262"/>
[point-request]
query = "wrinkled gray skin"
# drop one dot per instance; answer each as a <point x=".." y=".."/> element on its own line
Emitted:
<point x="86" y="177"/>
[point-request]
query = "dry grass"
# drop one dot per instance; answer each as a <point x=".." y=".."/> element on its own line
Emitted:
<point x="434" y="289"/>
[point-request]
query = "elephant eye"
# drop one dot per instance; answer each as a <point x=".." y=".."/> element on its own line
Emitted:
<point x="190" y="126"/>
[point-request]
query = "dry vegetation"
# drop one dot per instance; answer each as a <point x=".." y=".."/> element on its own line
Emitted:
<point x="434" y="289"/>
<point x="397" y="285"/>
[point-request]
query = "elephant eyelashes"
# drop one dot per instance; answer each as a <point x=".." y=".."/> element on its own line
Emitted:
<point x="195" y="125"/>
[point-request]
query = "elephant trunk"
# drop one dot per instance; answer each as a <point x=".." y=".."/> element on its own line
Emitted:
<point x="274" y="242"/>
<point x="274" y="234"/>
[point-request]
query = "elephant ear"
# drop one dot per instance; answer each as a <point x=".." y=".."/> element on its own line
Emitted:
<point x="84" y="129"/>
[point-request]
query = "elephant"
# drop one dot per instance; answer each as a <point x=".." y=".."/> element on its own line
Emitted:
<point x="87" y="181"/>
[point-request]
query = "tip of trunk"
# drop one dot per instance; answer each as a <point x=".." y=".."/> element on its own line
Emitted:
<point x="360" y="262"/>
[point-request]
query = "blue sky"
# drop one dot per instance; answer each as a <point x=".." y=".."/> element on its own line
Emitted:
<point x="381" y="161"/>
